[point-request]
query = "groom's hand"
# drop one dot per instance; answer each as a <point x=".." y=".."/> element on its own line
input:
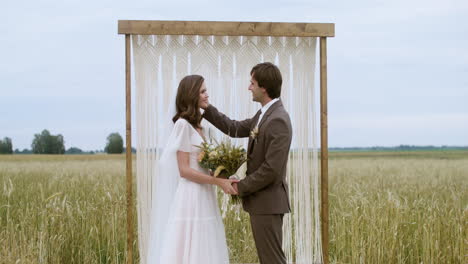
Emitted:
<point x="226" y="185"/>
<point x="204" y="107"/>
<point x="234" y="185"/>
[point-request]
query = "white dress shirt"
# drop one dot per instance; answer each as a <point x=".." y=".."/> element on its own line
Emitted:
<point x="265" y="108"/>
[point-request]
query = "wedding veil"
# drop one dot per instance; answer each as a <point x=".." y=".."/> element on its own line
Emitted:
<point x="165" y="180"/>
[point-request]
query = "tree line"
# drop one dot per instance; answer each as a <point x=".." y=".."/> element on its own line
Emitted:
<point x="400" y="148"/>
<point x="46" y="143"/>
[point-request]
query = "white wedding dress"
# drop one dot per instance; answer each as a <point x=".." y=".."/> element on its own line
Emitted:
<point x="192" y="231"/>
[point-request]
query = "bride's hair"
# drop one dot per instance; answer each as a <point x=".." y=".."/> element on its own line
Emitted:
<point x="187" y="99"/>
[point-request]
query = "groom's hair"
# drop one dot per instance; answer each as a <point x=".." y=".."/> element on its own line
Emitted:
<point x="268" y="76"/>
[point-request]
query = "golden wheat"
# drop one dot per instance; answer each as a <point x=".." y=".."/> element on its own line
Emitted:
<point x="384" y="208"/>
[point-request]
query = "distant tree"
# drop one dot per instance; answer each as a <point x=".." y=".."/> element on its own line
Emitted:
<point x="114" y="144"/>
<point x="6" y="147"/>
<point x="26" y="151"/>
<point x="45" y="143"/>
<point x="74" y="150"/>
<point x="133" y="149"/>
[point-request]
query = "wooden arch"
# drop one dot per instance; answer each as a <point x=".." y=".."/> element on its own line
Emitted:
<point x="211" y="28"/>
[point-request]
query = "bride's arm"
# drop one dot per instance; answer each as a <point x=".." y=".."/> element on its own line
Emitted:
<point x="183" y="161"/>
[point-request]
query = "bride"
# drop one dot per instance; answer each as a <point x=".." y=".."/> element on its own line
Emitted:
<point x="186" y="225"/>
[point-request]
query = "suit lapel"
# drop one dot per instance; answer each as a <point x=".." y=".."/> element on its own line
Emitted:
<point x="254" y="123"/>
<point x="268" y="112"/>
<point x="264" y="118"/>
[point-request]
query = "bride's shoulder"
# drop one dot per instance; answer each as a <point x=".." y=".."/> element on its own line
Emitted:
<point x="181" y="122"/>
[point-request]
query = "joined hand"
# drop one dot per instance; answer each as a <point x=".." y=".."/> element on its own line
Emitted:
<point x="227" y="185"/>
<point x="234" y="184"/>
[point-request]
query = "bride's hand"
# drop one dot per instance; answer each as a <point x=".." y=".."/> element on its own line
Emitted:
<point x="226" y="185"/>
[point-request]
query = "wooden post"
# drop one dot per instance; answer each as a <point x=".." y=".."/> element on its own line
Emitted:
<point x="208" y="28"/>
<point x="324" y="147"/>
<point x="129" y="151"/>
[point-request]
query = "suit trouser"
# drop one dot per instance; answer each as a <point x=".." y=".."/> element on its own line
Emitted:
<point x="268" y="235"/>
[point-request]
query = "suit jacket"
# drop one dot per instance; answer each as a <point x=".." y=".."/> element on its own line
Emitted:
<point x="264" y="190"/>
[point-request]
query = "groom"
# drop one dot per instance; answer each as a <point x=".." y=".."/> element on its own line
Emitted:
<point x="264" y="190"/>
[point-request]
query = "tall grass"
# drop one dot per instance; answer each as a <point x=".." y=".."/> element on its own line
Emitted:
<point x="383" y="209"/>
<point x="62" y="210"/>
<point x="399" y="210"/>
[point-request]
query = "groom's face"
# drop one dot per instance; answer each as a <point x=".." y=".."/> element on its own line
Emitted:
<point x="257" y="92"/>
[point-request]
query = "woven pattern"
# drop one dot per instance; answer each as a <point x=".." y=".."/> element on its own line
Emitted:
<point x="160" y="62"/>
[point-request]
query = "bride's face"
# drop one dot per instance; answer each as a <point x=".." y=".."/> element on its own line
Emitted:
<point x="203" y="99"/>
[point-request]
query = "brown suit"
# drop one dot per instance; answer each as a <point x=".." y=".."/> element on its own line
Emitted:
<point x="264" y="190"/>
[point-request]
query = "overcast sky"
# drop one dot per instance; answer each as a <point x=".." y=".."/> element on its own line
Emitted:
<point x="398" y="70"/>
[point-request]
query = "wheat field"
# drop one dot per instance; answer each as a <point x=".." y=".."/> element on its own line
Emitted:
<point x="385" y="207"/>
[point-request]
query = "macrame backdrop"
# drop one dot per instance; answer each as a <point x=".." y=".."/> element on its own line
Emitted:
<point x="161" y="61"/>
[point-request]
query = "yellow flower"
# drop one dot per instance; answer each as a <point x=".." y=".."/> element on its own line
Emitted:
<point x="219" y="170"/>
<point x="213" y="154"/>
<point x="201" y="156"/>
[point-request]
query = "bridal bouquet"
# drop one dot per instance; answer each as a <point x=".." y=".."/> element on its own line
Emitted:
<point x="223" y="160"/>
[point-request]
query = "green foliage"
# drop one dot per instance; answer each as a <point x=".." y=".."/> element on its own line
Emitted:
<point x="24" y="151"/>
<point x="6" y="147"/>
<point x="46" y="143"/>
<point x="133" y="149"/>
<point x="114" y="144"/>
<point x="74" y="150"/>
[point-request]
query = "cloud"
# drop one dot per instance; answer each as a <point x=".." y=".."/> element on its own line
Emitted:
<point x="392" y="62"/>
<point x="391" y="130"/>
